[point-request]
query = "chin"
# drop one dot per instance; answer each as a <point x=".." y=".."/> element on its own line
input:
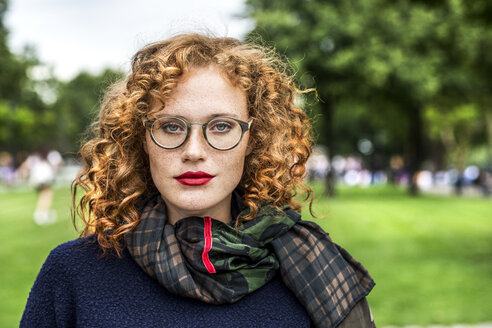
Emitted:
<point x="192" y="204"/>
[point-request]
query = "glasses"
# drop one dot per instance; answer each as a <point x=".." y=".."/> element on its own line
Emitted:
<point x="221" y="133"/>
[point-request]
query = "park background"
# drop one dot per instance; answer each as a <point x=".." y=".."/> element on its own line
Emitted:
<point x="402" y="119"/>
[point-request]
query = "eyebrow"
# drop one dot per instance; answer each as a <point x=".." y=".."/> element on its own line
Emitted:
<point x="224" y="114"/>
<point x="209" y="117"/>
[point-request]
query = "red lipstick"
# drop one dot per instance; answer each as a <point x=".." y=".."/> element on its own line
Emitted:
<point x="194" y="178"/>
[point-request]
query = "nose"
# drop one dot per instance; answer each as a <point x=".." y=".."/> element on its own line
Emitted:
<point x="195" y="148"/>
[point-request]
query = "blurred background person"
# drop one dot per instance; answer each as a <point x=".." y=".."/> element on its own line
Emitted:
<point x="7" y="170"/>
<point x="40" y="170"/>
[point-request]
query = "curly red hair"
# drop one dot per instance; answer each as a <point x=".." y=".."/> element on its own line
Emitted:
<point x="116" y="172"/>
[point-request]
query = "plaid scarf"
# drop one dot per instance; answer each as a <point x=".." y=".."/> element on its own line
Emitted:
<point x="209" y="260"/>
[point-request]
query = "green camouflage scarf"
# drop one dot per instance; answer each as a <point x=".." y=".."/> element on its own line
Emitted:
<point x="209" y="260"/>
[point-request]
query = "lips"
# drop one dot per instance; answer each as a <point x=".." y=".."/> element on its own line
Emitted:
<point x="194" y="178"/>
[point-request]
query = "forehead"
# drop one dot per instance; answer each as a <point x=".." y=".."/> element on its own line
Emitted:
<point x="205" y="92"/>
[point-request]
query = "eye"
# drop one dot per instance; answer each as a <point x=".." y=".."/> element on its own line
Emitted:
<point x="221" y="126"/>
<point x="172" y="127"/>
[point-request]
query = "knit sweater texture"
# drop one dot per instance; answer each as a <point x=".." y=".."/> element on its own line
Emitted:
<point x="77" y="287"/>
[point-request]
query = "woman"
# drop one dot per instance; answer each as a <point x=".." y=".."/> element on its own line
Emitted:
<point x="188" y="209"/>
<point x="40" y="168"/>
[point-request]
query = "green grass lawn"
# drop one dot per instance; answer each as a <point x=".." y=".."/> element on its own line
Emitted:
<point x="24" y="247"/>
<point x="431" y="257"/>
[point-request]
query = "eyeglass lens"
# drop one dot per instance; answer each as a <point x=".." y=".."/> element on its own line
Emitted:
<point x="221" y="132"/>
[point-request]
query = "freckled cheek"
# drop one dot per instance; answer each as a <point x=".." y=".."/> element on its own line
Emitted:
<point x="232" y="167"/>
<point x="160" y="167"/>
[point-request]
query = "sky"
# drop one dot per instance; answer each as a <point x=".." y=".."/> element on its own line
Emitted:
<point x="74" y="35"/>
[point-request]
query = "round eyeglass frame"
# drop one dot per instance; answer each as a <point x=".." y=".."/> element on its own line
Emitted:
<point x="149" y="124"/>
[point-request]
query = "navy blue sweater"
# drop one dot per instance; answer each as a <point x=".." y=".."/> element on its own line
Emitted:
<point x="76" y="287"/>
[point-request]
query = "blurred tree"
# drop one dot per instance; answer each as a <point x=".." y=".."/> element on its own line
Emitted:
<point x="14" y="80"/>
<point x="28" y="117"/>
<point x="479" y="16"/>
<point x="77" y="105"/>
<point x="19" y="102"/>
<point x="393" y="58"/>
<point x="13" y="72"/>
<point x="455" y="128"/>
<point x="464" y="102"/>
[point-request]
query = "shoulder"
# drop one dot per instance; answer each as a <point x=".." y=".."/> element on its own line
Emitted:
<point x="51" y="297"/>
<point x="64" y="259"/>
<point x="83" y="255"/>
<point x="71" y="246"/>
<point x="81" y="261"/>
<point x="77" y="246"/>
<point x="74" y="276"/>
<point x="71" y="251"/>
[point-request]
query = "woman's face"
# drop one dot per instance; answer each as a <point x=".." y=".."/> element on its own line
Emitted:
<point x="200" y="95"/>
